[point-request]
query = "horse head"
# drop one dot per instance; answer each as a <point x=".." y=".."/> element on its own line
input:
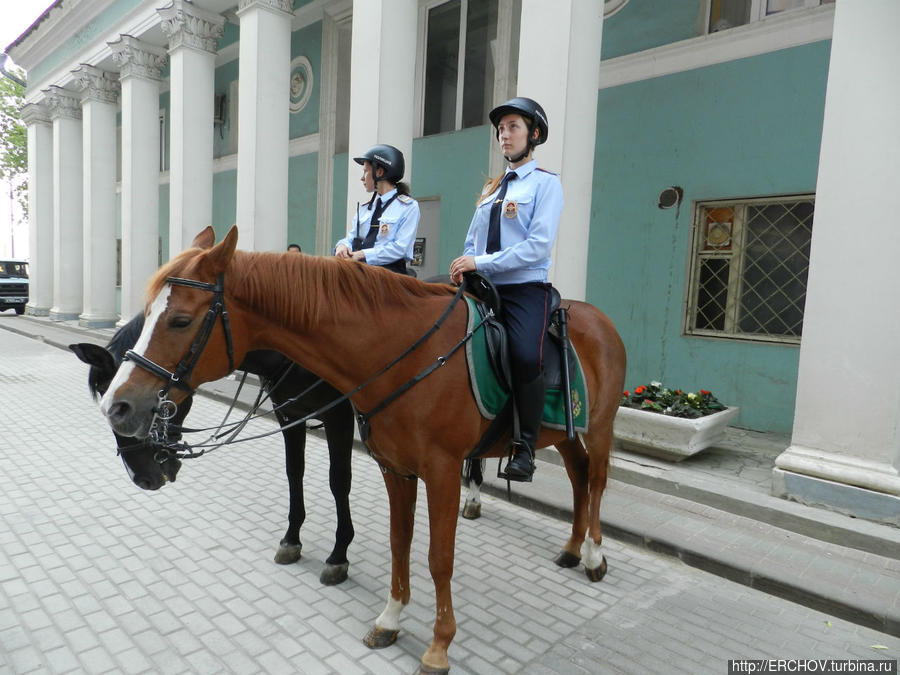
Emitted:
<point x="183" y="343"/>
<point x="147" y="468"/>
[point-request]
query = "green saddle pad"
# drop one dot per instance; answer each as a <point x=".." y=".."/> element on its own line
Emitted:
<point x="491" y="396"/>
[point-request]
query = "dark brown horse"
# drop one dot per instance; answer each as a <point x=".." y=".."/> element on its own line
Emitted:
<point x="345" y="322"/>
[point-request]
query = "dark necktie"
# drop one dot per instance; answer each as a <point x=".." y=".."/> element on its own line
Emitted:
<point x="372" y="234"/>
<point x="493" y="240"/>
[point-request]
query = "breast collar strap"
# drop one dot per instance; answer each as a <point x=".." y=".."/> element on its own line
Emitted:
<point x="183" y="370"/>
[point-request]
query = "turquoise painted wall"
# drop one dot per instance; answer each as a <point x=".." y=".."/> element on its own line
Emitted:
<point x="742" y="129"/>
<point x="452" y="166"/>
<point x="302" y="194"/>
<point x="224" y="208"/>
<point x="308" y="42"/>
<point x="224" y="76"/>
<point x="644" y="24"/>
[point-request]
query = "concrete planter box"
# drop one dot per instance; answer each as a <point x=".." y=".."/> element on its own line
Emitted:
<point x="673" y="438"/>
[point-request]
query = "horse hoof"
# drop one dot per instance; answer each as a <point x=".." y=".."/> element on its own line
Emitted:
<point x="431" y="670"/>
<point x="379" y="638"/>
<point x="566" y="559"/>
<point x="472" y="510"/>
<point x="598" y="572"/>
<point x="288" y="553"/>
<point x="332" y="575"/>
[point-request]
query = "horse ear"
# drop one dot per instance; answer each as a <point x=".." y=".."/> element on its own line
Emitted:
<point x="220" y="254"/>
<point x="205" y="239"/>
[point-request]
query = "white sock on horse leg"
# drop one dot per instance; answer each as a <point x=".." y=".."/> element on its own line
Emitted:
<point x="591" y="554"/>
<point x="390" y="617"/>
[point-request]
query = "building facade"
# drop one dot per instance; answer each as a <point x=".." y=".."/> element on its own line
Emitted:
<point x="691" y="137"/>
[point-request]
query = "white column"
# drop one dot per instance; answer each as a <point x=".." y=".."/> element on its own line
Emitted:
<point x="263" y="123"/>
<point x="847" y="418"/>
<point x="99" y="104"/>
<point x="40" y="208"/>
<point x="139" y="74"/>
<point x="382" y="72"/>
<point x="562" y="74"/>
<point x="192" y="51"/>
<point x="65" y="111"/>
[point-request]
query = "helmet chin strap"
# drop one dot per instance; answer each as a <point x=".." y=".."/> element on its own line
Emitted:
<point x="513" y="160"/>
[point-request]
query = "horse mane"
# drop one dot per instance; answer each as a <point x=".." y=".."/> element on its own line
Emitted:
<point x="324" y="286"/>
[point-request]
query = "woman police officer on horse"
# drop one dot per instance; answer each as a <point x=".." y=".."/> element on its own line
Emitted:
<point x="384" y="231"/>
<point x="509" y="241"/>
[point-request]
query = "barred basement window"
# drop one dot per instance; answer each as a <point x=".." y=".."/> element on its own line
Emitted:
<point x="749" y="268"/>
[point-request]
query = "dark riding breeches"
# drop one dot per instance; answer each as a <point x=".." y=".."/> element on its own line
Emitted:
<point x="524" y="312"/>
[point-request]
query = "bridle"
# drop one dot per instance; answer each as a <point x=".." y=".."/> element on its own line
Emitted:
<point x="178" y="377"/>
<point x="166" y="408"/>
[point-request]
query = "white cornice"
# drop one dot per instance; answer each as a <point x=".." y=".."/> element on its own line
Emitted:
<point x="60" y="24"/>
<point x="136" y="24"/>
<point x="780" y="31"/>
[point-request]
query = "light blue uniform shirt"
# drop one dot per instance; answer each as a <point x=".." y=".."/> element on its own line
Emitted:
<point x="529" y="219"/>
<point x="396" y="230"/>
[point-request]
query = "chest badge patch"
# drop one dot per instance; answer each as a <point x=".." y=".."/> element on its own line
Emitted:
<point x="511" y="210"/>
<point x="385" y="228"/>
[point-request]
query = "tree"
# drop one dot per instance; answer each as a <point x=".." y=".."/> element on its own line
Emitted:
<point x="13" y="140"/>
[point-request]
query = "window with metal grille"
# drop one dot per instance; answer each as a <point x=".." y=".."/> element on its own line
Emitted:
<point x="749" y="268"/>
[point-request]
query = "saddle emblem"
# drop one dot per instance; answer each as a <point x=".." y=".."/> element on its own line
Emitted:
<point x="576" y="403"/>
<point x="385" y="228"/>
<point x="511" y="209"/>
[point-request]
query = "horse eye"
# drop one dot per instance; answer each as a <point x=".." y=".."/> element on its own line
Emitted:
<point x="180" y="322"/>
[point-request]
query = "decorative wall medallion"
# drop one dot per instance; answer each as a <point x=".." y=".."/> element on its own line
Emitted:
<point x="301" y="83"/>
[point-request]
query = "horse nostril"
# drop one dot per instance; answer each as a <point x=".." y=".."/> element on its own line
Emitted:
<point x="119" y="411"/>
<point x="143" y="482"/>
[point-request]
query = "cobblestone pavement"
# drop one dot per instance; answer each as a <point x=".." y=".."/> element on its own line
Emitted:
<point x="97" y="576"/>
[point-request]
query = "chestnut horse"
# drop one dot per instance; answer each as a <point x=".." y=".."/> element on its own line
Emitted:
<point x="346" y="321"/>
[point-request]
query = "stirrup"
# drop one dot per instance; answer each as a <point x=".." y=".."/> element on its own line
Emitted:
<point x="516" y="477"/>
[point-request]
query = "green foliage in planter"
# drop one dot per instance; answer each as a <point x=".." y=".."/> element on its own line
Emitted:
<point x="654" y="397"/>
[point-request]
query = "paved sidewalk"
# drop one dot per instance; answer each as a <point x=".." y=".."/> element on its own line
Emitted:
<point x="712" y="511"/>
<point x="97" y="576"/>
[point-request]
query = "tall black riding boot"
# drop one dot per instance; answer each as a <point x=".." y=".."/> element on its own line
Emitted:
<point x="529" y="398"/>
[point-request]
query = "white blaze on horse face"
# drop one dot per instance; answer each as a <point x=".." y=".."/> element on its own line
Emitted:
<point x="390" y="617"/>
<point x="124" y="373"/>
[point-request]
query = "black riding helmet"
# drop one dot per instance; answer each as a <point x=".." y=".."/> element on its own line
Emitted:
<point x="388" y="158"/>
<point x="529" y="109"/>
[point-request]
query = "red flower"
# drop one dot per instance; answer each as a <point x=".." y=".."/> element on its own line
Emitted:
<point x="625" y="393"/>
<point x="704" y="392"/>
<point x="640" y="390"/>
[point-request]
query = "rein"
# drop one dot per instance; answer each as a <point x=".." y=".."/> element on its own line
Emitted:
<point x="166" y="408"/>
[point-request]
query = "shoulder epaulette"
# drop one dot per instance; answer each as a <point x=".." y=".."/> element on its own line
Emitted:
<point x="552" y="173"/>
<point x="406" y="199"/>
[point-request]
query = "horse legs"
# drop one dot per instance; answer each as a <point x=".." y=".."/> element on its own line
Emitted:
<point x="443" y="498"/>
<point x="339" y="433"/>
<point x="294" y="461"/>
<point x="577" y="467"/>
<point x="402" y="498"/>
<point x="473" y="472"/>
<point x="599" y="440"/>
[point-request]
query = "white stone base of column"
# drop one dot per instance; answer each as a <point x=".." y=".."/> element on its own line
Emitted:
<point x="59" y="315"/>
<point x="851" y="485"/>
<point x="97" y="320"/>
<point x="848" y="499"/>
<point x="32" y="310"/>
